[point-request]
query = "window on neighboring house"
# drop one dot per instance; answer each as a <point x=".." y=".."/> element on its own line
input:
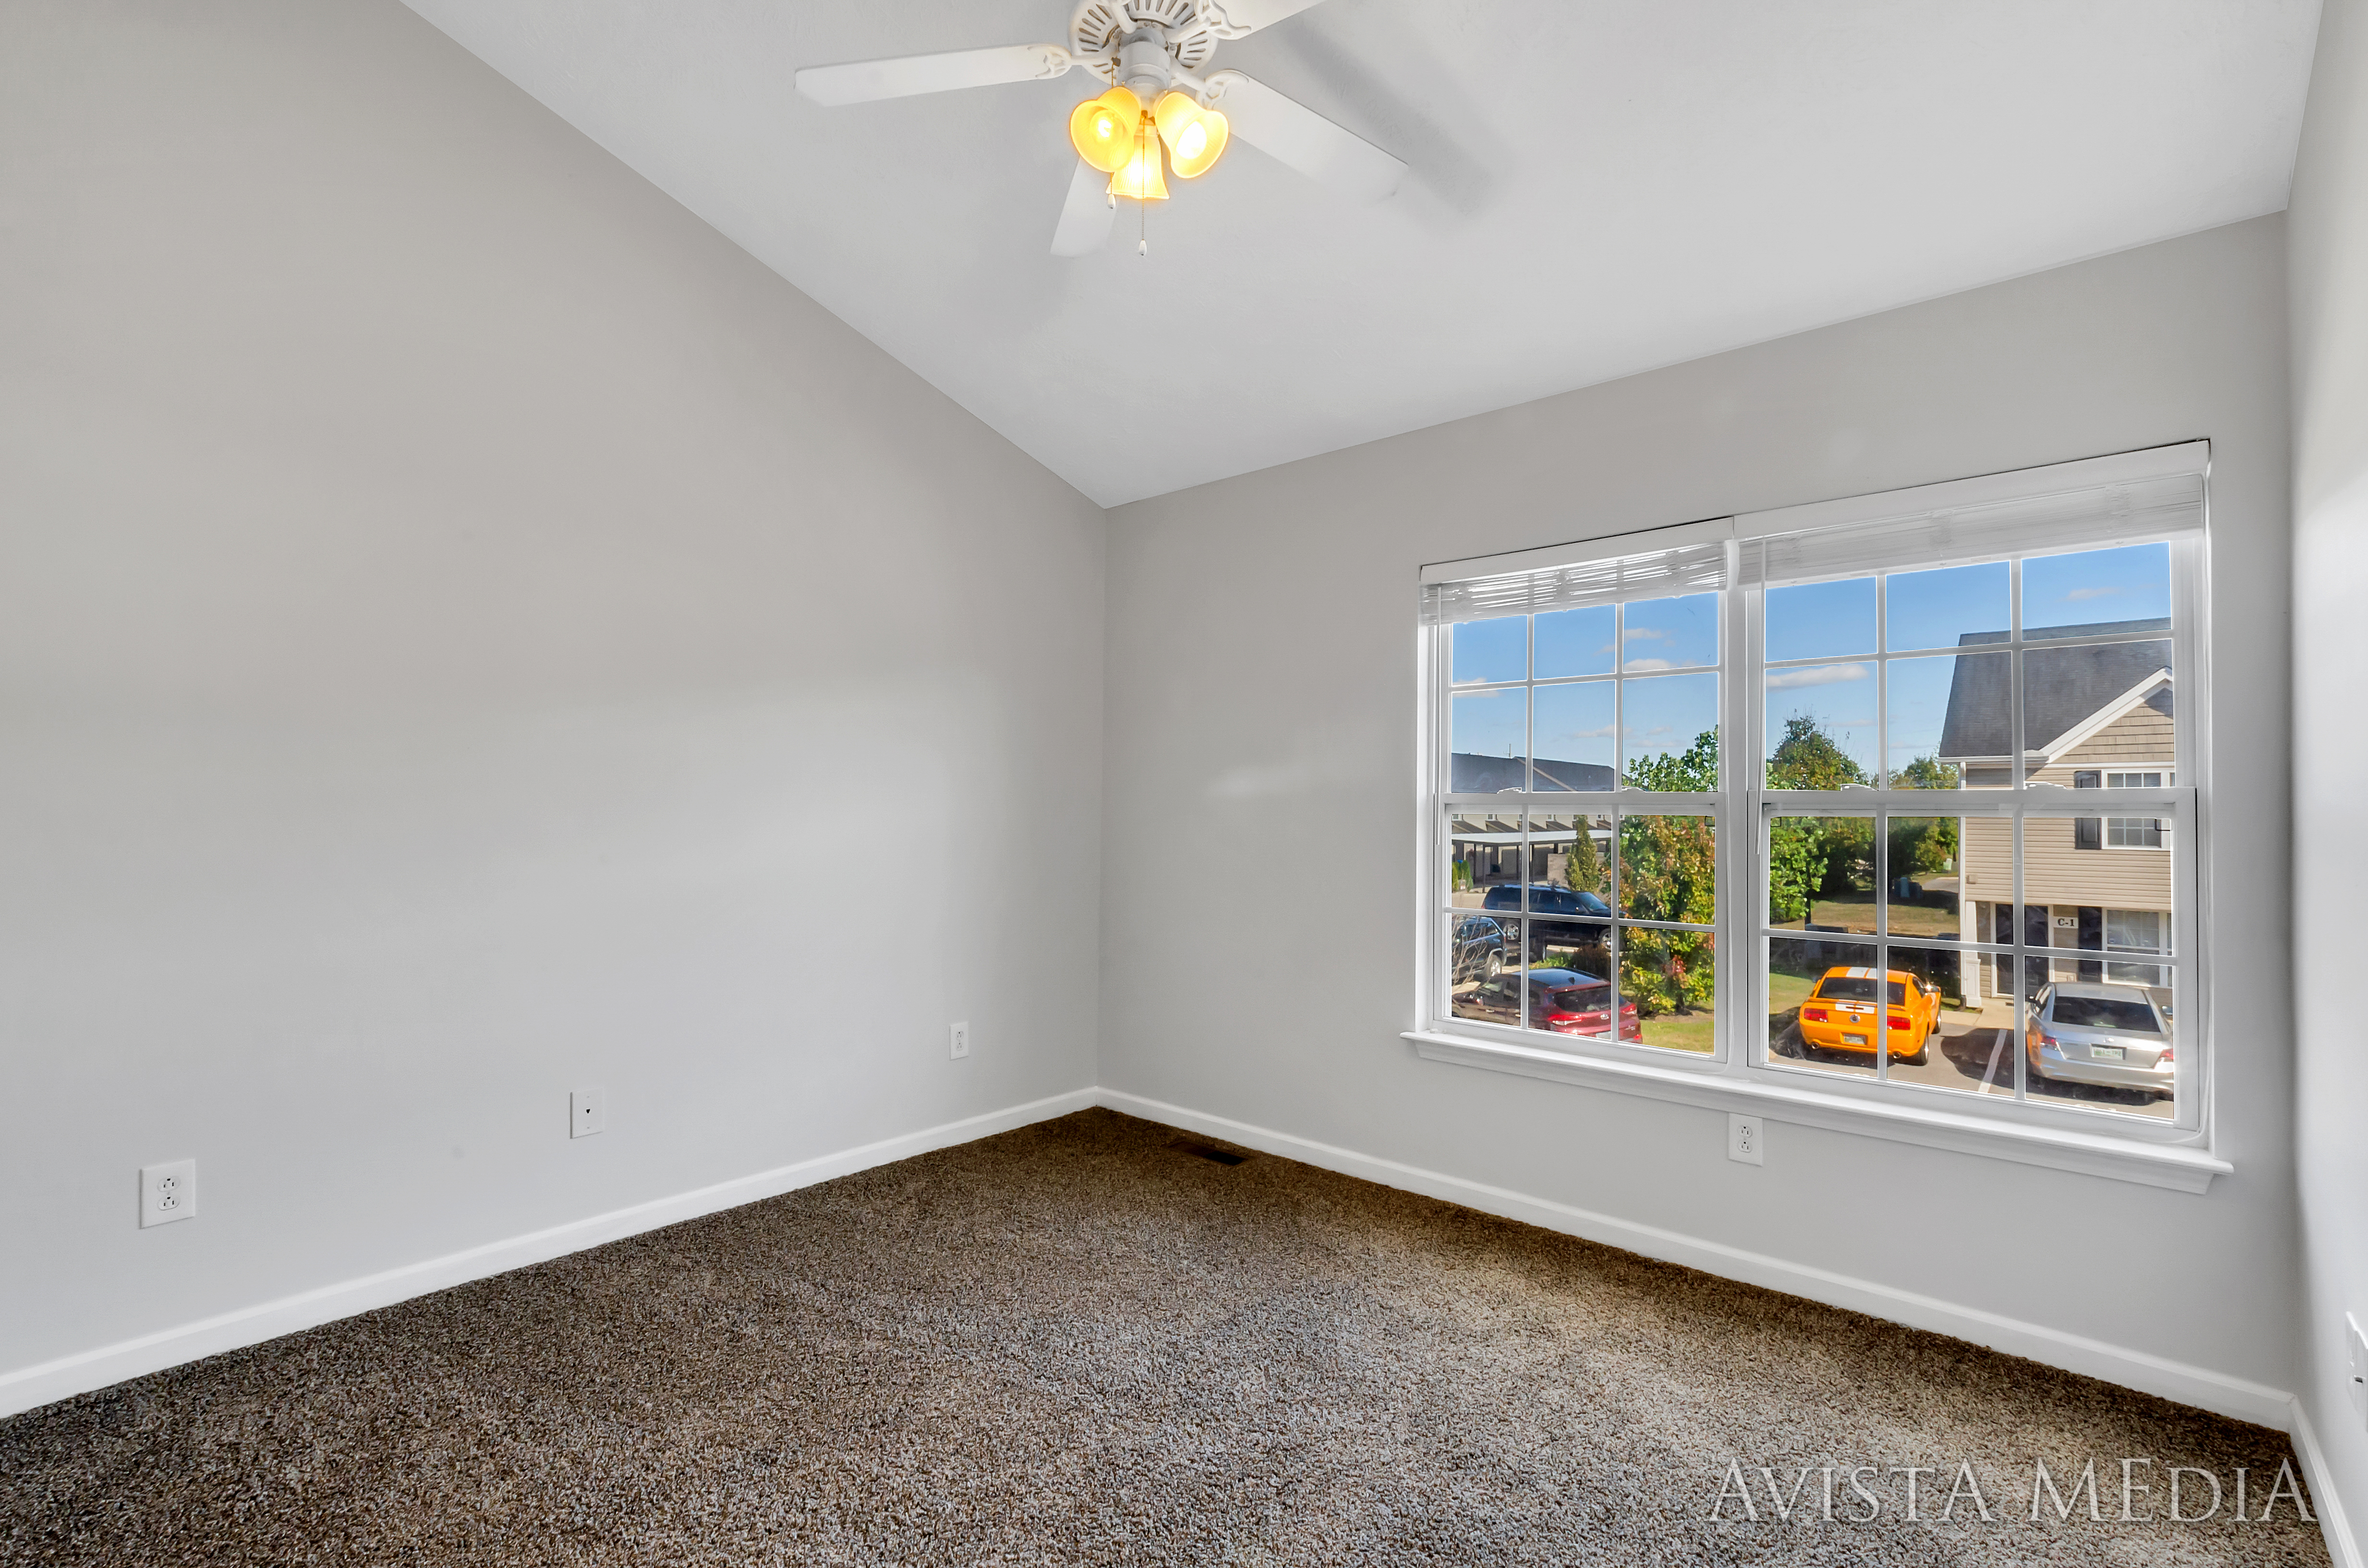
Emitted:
<point x="1718" y="785"/>
<point x="2120" y="833"/>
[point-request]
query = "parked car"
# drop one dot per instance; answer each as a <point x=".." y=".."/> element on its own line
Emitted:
<point x="1479" y="948"/>
<point x="2097" y="1032"/>
<point x="1840" y="1013"/>
<point x="1561" y="1001"/>
<point x="1547" y="901"/>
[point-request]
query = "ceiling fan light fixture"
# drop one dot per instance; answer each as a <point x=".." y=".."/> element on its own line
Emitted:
<point x="1142" y="179"/>
<point x="1107" y="131"/>
<point x="1196" y="137"/>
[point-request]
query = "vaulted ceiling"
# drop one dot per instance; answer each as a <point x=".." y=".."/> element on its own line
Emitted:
<point x="1596" y="188"/>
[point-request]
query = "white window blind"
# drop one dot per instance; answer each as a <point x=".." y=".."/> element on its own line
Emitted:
<point x="1689" y="560"/>
<point x="2160" y="507"/>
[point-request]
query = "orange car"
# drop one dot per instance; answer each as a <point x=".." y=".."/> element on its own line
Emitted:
<point x="1839" y="1014"/>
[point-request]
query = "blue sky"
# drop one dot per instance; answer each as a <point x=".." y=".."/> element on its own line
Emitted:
<point x="2129" y="584"/>
<point x="1574" y="723"/>
<point x="1667" y="712"/>
<point x="1832" y="622"/>
<point x="1490" y="650"/>
<point x="1934" y="609"/>
<point x="1671" y="634"/>
<point x="1575" y="642"/>
<point x="1841" y="696"/>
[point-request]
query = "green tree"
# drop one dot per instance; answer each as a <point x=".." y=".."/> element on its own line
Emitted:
<point x="1668" y="870"/>
<point x="1582" y="868"/>
<point x="1923" y="845"/>
<point x="1813" y="857"/>
<point x="1796" y="868"/>
<point x="1695" y="768"/>
<point x="1926" y="773"/>
<point x="1807" y="758"/>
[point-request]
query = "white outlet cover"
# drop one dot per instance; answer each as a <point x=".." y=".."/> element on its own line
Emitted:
<point x="168" y="1192"/>
<point x="961" y="1038"/>
<point x="588" y="1112"/>
<point x="1745" y="1141"/>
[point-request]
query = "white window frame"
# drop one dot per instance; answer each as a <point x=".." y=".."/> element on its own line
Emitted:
<point x="1739" y="1075"/>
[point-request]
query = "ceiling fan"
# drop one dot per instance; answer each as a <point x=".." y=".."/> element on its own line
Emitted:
<point x="1151" y="53"/>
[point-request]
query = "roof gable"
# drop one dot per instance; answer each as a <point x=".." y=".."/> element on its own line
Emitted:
<point x="2068" y="693"/>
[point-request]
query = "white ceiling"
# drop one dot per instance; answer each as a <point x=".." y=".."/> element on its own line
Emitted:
<point x="1598" y="186"/>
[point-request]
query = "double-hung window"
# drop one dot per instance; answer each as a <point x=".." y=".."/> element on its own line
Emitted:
<point x="1891" y="799"/>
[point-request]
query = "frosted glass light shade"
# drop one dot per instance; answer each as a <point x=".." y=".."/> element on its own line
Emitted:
<point x="1143" y="177"/>
<point x="1196" y="137"/>
<point x="1105" y="130"/>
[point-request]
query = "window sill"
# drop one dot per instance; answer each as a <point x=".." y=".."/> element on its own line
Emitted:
<point x="2182" y="1167"/>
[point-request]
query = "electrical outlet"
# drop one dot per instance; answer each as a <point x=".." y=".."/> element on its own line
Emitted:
<point x="1743" y="1142"/>
<point x="962" y="1039"/>
<point x="2356" y="1344"/>
<point x="588" y="1112"/>
<point x="168" y="1192"/>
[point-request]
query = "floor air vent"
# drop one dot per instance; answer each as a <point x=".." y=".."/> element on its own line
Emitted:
<point x="1211" y="1151"/>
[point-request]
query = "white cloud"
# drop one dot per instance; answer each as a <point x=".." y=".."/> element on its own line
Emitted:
<point x="1636" y="665"/>
<point x="2076" y="594"/>
<point x="1816" y="675"/>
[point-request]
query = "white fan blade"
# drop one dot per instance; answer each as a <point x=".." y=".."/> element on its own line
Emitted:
<point x="1233" y="18"/>
<point x="1087" y="216"/>
<point x="1298" y="136"/>
<point x="867" y="80"/>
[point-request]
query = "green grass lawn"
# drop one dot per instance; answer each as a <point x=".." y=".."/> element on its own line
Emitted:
<point x="1683" y="1031"/>
<point x="1936" y="919"/>
<point x="1786" y="992"/>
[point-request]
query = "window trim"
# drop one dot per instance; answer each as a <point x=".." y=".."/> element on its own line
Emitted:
<point x="2175" y="1153"/>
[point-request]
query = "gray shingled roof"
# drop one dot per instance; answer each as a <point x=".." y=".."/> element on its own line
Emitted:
<point x="1470" y="773"/>
<point x="2062" y="686"/>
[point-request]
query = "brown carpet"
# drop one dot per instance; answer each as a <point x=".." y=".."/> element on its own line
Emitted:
<point x="1084" y="1343"/>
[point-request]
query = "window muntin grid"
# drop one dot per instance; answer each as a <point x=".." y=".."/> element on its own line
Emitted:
<point x="1650" y="672"/>
<point x="2024" y="793"/>
<point x="2021" y="780"/>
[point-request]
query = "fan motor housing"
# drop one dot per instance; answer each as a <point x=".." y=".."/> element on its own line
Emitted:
<point x="1144" y="64"/>
<point x="1100" y="30"/>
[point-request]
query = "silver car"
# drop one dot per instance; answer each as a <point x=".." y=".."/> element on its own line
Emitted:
<point x="2096" y="1033"/>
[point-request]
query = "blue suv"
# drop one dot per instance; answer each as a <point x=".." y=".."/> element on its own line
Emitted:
<point x="1547" y="901"/>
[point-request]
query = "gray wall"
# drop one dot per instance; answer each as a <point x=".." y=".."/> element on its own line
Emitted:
<point x="1262" y="694"/>
<point x="468" y="631"/>
<point x="2330" y="377"/>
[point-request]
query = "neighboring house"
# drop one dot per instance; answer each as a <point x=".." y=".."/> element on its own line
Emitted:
<point x="2098" y="715"/>
<point x="1490" y="848"/>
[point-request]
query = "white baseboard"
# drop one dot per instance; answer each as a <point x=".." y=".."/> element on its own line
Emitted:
<point x="2138" y="1369"/>
<point x="67" y="1376"/>
<point x="2320" y="1478"/>
<point x="80" y="1373"/>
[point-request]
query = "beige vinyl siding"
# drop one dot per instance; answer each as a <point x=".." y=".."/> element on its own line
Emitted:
<point x="2053" y="871"/>
<point x="2140" y="735"/>
<point x="1988" y="852"/>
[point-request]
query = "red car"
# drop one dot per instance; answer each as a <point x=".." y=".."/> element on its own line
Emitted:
<point x="1561" y="1001"/>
